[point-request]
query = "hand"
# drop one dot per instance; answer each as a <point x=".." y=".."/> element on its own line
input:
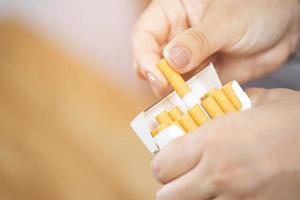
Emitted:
<point x="254" y="154"/>
<point x="246" y="39"/>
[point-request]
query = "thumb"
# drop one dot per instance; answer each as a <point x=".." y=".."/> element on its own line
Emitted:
<point x="189" y="49"/>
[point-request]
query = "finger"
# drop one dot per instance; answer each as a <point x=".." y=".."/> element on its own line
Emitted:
<point x="254" y="66"/>
<point x="162" y="20"/>
<point x="184" y="153"/>
<point x="190" y="48"/>
<point x="261" y="96"/>
<point x="149" y="33"/>
<point x="194" y="185"/>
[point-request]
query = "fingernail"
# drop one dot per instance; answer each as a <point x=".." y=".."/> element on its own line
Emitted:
<point x="155" y="84"/>
<point x="180" y="56"/>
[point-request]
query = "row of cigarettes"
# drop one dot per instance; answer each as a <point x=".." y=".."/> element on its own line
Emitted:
<point x="173" y="122"/>
<point x="213" y="104"/>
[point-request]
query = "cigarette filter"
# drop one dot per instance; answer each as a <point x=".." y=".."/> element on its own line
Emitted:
<point x="188" y="123"/>
<point x="164" y="118"/>
<point x="158" y="129"/>
<point x="212" y="107"/>
<point x="174" y="78"/>
<point x="223" y="101"/>
<point x="198" y="114"/>
<point x="229" y="92"/>
<point x="175" y="113"/>
<point x="209" y="93"/>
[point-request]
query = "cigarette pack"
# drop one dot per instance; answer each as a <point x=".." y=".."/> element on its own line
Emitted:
<point x="201" y="85"/>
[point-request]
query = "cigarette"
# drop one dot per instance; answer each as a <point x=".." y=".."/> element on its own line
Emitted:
<point x="188" y="123"/>
<point x="164" y="118"/>
<point x="212" y="107"/>
<point x="229" y="92"/>
<point x="223" y="101"/>
<point x="175" y="113"/>
<point x="174" y="78"/>
<point x="209" y="93"/>
<point x="158" y="129"/>
<point x="198" y="114"/>
<point x="178" y="84"/>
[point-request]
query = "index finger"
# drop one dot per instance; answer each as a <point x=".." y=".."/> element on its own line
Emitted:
<point x="149" y="35"/>
<point x="179" y="157"/>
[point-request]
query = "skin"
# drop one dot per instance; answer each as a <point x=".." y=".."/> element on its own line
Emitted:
<point x="251" y="155"/>
<point x="254" y="158"/>
<point x="245" y="39"/>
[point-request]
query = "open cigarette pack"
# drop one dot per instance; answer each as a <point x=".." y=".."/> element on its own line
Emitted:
<point x="189" y="106"/>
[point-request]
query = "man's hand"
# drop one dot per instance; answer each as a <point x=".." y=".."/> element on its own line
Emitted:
<point x="254" y="154"/>
<point x="246" y="39"/>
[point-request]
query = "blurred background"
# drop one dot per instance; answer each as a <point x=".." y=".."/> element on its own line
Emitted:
<point x="67" y="95"/>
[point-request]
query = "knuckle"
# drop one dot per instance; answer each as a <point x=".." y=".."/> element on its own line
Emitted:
<point x="162" y="178"/>
<point x="224" y="175"/>
<point x="219" y="181"/>
<point x="159" y="173"/>
<point x="233" y="177"/>
<point x="162" y="165"/>
<point x="158" y="170"/>
<point x="277" y="94"/>
<point x="198" y="40"/>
